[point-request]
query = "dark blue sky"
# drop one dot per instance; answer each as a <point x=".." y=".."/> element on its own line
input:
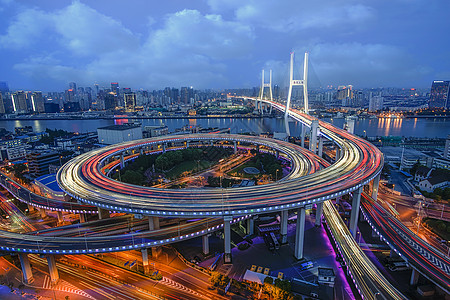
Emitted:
<point x="222" y="43"/>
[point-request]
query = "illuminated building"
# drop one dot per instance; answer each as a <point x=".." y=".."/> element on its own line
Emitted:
<point x="439" y="94"/>
<point x="37" y="102"/>
<point x="130" y="101"/>
<point x="19" y="101"/>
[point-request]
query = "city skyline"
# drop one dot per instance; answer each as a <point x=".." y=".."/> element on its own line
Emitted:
<point x="212" y="44"/>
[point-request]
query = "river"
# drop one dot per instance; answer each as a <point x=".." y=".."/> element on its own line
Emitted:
<point x="420" y="127"/>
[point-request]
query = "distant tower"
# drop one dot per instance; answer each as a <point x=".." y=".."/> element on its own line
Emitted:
<point x="266" y="85"/>
<point x="293" y="82"/>
<point x="439" y="96"/>
<point x="73" y="86"/>
<point x="130" y="101"/>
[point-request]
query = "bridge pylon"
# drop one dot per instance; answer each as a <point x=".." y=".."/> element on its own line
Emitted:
<point x="264" y="85"/>
<point x="298" y="82"/>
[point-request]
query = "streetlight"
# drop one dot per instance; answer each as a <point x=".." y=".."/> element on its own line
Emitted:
<point x="418" y="216"/>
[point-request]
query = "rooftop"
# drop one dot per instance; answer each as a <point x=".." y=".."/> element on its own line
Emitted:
<point x="50" y="182"/>
<point x="120" y="127"/>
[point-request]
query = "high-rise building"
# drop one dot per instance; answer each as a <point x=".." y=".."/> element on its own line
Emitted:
<point x="19" y="101"/>
<point x="2" y="105"/>
<point x="73" y="87"/>
<point x="186" y="94"/>
<point x="4" y="87"/>
<point x="39" y="162"/>
<point x="37" y="102"/>
<point x="130" y="101"/>
<point x="110" y="101"/>
<point x="115" y="87"/>
<point x="344" y="92"/>
<point x="376" y="103"/>
<point x="70" y="95"/>
<point x="439" y="94"/>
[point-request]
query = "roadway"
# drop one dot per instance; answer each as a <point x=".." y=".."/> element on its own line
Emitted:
<point x="420" y="255"/>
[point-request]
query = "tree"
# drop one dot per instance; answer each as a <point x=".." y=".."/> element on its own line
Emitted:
<point x="132" y="177"/>
<point x="268" y="280"/>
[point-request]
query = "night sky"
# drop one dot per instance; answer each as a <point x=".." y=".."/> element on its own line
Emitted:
<point x="46" y="44"/>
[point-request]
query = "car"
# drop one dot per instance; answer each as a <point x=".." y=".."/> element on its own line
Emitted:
<point x="306" y="265"/>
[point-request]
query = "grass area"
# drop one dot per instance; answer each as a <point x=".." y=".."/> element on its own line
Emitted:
<point x="239" y="171"/>
<point x="441" y="228"/>
<point x="187" y="166"/>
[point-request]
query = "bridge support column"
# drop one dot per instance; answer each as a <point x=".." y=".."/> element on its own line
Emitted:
<point x="284" y="222"/>
<point x="52" y="270"/>
<point x="82" y="217"/>
<point x="300" y="233"/>
<point x="303" y="135"/>
<point x="355" y="210"/>
<point x="187" y="144"/>
<point x="122" y="161"/>
<point x="145" y="263"/>
<point x="320" y="151"/>
<point x="42" y="212"/>
<point x="375" y="184"/>
<point x="286" y="125"/>
<point x="26" y="268"/>
<point x="250" y="226"/>
<point x="235" y="146"/>
<point x="338" y="154"/>
<point x="141" y="151"/>
<point x="414" y="277"/>
<point x="156" y="251"/>
<point x="313" y="136"/>
<point x="319" y="210"/>
<point x="205" y="244"/>
<point x="103" y="213"/>
<point x="164" y="147"/>
<point x="60" y="216"/>
<point x="30" y="208"/>
<point x="153" y="223"/>
<point x="271" y="107"/>
<point x="227" y="239"/>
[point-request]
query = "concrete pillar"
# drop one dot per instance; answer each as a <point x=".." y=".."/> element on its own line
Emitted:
<point x="303" y="134"/>
<point x="26" y="268"/>
<point x="102" y="213"/>
<point x="313" y="136"/>
<point x="338" y="199"/>
<point x="414" y="277"/>
<point x="355" y="210"/>
<point x="284" y="223"/>
<point x="270" y="111"/>
<point x="187" y="144"/>
<point x="60" y="216"/>
<point x="320" y="151"/>
<point x="52" y="270"/>
<point x="82" y="217"/>
<point x="205" y="244"/>
<point x="42" y="212"/>
<point x="156" y="251"/>
<point x="227" y="238"/>
<point x="141" y="151"/>
<point x="211" y="143"/>
<point x="319" y="214"/>
<point x="122" y="160"/>
<point x="153" y="223"/>
<point x="300" y="233"/>
<point x="286" y="125"/>
<point x="145" y="263"/>
<point x="250" y="226"/>
<point x="30" y="207"/>
<point x="235" y="146"/>
<point x="376" y="183"/>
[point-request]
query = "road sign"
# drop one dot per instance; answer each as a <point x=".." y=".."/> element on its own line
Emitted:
<point x="125" y="264"/>
<point x="133" y="263"/>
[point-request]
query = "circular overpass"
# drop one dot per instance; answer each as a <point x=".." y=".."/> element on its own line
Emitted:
<point x="83" y="179"/>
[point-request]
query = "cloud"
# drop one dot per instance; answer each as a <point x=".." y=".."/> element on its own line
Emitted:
<point x="363" y="65"/>
<point x="292" y="15"/>
<point x="189" y="48"/>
